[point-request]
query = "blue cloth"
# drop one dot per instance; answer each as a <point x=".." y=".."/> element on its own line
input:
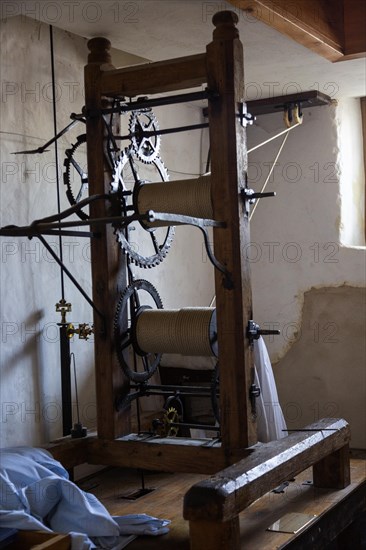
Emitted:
<point x="36" y="493"/>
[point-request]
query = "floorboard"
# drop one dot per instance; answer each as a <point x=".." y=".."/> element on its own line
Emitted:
<point x="113" y="485"/>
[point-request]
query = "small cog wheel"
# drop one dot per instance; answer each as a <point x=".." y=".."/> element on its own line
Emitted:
<point x="146" y="147"/>
<point x="146" y="247"/>
<point x="171" y="417"/>
<point x="127" y="310"/>
<point x="75" y="175"/>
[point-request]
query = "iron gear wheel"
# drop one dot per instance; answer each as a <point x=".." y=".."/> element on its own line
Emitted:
<point x="171" y="417"/>
<point x="117" y="183"/>
<point x="75" y="177"/>
<point x="126" y="311"/>
<point x="147" y="148"/>
<point x="149" y="246"/>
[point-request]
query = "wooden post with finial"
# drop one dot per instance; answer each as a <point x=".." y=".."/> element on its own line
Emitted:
<point x="228" y="178"/>
<point x="224" y="74"/>
<point x="107" y="278"/>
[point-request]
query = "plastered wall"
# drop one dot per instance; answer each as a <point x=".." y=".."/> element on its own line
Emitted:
<point x="305" y="281"/>
<point x="30" y="279"/>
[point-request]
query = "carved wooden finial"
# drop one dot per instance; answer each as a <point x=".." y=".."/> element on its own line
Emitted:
<point x="225" y="23"/>
<point x="99" y="50"/>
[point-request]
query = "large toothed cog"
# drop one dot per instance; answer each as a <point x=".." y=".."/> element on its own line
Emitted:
<point x="171" y="417"/>
<point x="146" y="147"/>
<point x="146" y="247"/>
<point x="75" y="175"/>
<point x="139" y="294"/>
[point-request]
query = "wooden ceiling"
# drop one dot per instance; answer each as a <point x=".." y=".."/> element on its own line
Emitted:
<point x="335" y="29"/>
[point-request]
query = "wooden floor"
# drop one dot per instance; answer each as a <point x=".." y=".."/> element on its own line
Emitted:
<point x="166" y="501"/>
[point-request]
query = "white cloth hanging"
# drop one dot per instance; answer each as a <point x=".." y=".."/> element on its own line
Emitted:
<point x="270" y="420"/>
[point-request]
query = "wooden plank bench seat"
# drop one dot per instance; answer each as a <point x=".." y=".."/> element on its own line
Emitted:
<point x="212" y="506"/>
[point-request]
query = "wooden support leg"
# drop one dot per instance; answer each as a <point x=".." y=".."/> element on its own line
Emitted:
<point x="228" y="180"/>
<point x="215" y="536"/>
<point x="333" y="471"/>
<point x="107" y="279"/>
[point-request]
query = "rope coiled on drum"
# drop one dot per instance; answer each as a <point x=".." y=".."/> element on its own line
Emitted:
<point x="190" y="197"/>
<point x="187" y="331"/>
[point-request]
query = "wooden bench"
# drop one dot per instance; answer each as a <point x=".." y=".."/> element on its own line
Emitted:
<point x="212" y="506"/>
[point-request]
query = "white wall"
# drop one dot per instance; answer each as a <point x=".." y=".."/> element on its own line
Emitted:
<point x="295" y="237"/>
<point x="295" y="249"/>
<point x="30" y="280"/>
<point x="352" y="174"/>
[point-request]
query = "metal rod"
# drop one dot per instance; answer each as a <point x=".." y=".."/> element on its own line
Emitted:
<point x="65" y="380"/>
<point x="43" y="148"/>
<point x="163" y="132"/>
<point x="160" y="101"/>
<point x="70" y="276"/>
<point x="86" y="234"/>
<point x="183" y="393"/>
<point x="73" y="209"/>
<point x="72" y="356"/>
<point x="228" y="280"/>
<point x="43" y="228"/>
<point x="196" y="426"/>
<point x="29" y="231"/>
<point x="37" y="229"/>
<point x="169" y="388"/>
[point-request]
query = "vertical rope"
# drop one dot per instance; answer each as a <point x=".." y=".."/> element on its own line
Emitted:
<point x="56" y="152"/>
<point x="269" y="175"/>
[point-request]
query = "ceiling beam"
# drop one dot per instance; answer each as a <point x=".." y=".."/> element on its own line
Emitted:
<point x="354" y="29"/>
<point x="333" y="29"/>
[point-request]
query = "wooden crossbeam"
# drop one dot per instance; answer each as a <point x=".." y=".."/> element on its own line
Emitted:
<point x="168" y="455"/>
<point x="354" y="29"/>
<point x="70" y="452"/>
<point x="335" y="29"/>
<point x="316" y="24"/>
<point x="154" y="78"/>
<point x="107" y="279"/>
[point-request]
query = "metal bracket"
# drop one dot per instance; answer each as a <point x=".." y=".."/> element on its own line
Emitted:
<point x="254" y="331"/>
<point x="254" y="392"/>
<point x="202" y="224"/>
<point x="246" y="119"/>
<point x="248" y="195"/>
